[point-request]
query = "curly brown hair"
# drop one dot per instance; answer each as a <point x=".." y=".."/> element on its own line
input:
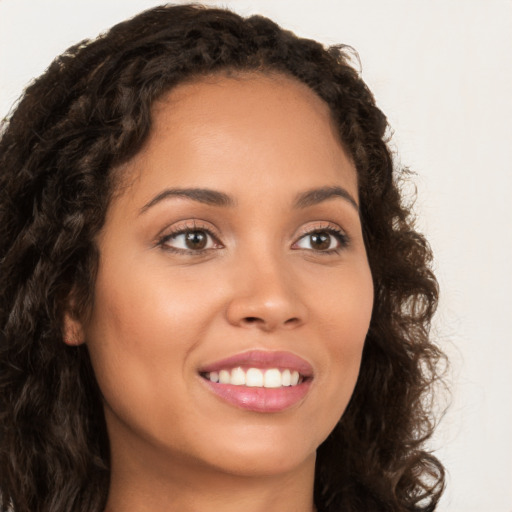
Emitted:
<point x="91" y="111"/>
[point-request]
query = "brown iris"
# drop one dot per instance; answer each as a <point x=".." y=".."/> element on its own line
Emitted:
<point x="320" y="240"/>
<point x="196" y="240"/>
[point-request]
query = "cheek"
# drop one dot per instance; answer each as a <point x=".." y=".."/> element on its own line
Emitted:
<point x="344" y="316"/>
<point x="345" y="309"/>
<point x="137" y="335"/>
<point x="143" y="326"/>
<point x="145" y="311"/>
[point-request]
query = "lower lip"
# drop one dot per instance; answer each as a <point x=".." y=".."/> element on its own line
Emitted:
<point x="260" y="399"/>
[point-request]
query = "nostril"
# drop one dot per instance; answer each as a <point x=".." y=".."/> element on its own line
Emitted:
<point x="254" y="320"/>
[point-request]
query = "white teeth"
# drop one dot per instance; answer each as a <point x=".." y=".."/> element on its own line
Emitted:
<point x="237" y="377"/>
<point x="272" y="379"/>
<point x="254" y="377"/>
<point x="224" y="377"/>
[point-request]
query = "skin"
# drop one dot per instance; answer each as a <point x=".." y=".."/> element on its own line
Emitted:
<point x="159" y="315"/>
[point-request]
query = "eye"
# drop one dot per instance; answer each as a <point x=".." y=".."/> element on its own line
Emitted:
<point x="327" y="240"/>
<point x="189" y="241"/>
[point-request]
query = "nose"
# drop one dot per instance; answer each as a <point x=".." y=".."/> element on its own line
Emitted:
<point x="266" y="297"/>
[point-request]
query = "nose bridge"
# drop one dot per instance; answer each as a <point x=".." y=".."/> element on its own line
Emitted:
<point x="265" y="294"/>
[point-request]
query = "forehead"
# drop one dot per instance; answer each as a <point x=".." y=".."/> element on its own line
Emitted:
<point x="254" y="88"/>
<point x="243" y="125"/>
<point x="244" y="98"/>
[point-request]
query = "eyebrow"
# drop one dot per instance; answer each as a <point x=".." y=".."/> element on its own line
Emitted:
<point x="216" y="198"/>
<point x="201" y="195"/>
<point x="319" y="195"/>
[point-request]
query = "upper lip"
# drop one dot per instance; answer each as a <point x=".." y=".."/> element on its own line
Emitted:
<point x="262" y="359"/>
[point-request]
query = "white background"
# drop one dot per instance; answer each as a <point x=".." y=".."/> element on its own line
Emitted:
<point x="442" y="72"/>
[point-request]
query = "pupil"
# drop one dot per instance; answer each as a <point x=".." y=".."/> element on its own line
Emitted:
<point x="196" y="240"/>
<point x="320" y="240"/>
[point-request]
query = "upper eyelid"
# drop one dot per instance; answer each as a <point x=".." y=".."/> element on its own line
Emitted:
<point x="323" y="226"/>
<point x="188" y="225"/>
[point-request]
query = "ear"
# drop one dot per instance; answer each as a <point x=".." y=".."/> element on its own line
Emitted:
<point x="72" y="330"/>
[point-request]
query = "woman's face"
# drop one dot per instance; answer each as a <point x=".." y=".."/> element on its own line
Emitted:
<point x="232" y="251"/>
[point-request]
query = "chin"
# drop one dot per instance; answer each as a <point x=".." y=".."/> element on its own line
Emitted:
<point x="262" y="464"/>
<point x="265" y="454"/>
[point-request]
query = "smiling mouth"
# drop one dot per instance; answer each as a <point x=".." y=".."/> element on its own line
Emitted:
<point x="256" y="377"/>
<point x="259" y="381"/>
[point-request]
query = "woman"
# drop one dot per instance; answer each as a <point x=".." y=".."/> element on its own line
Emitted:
<point x="212" y="293"/>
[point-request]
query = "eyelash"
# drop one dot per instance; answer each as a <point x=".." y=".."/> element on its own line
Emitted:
<point x="182" y="230"/>
<point x="337" y="233"/>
